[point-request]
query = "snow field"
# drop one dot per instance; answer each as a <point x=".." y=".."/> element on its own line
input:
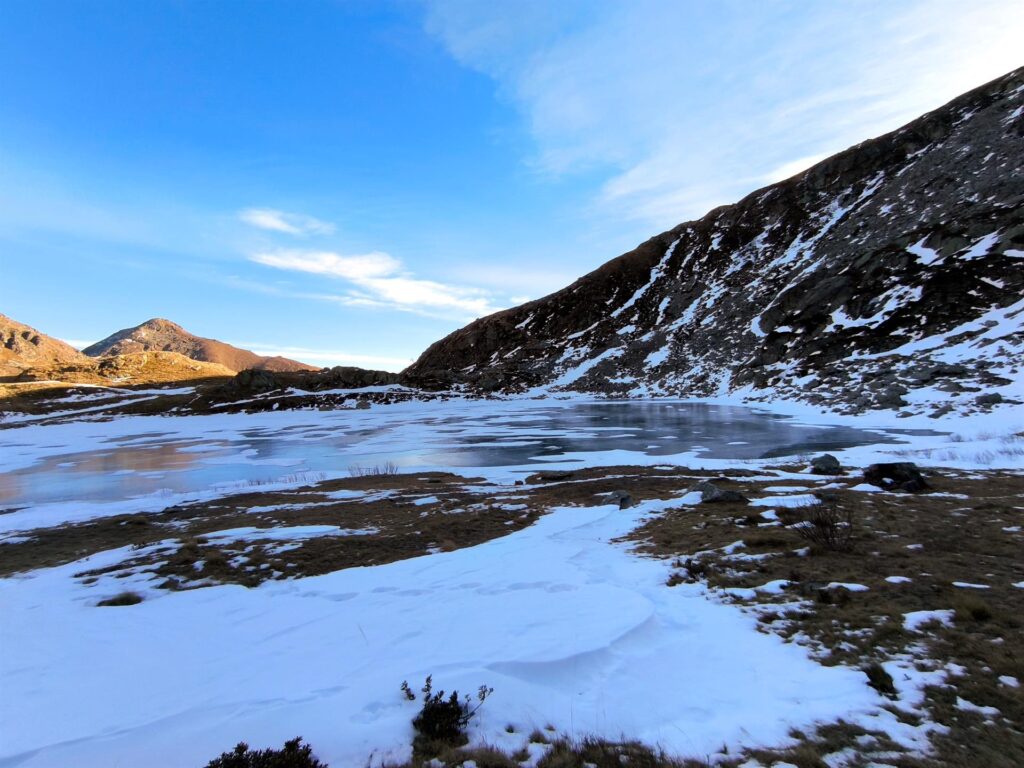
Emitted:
<point x="570" y="630"/>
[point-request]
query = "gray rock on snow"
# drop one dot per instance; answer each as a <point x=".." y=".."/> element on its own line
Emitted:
<point x="826" y="464"/>
<point x="623" y="498"/>
<point x="711" y="493"/>
<point x="896" y="476"/>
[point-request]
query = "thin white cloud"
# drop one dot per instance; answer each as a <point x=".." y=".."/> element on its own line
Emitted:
<point x="328" y="357"/>
<point x="685" y="106"/>
<point x="379" y="280"/>
<point x="287" y="223"/>
<point x="363" y="267"/>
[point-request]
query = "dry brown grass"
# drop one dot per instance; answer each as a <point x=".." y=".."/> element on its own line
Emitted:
<point x="933" y="540"/>
<point x="179" y="550"/>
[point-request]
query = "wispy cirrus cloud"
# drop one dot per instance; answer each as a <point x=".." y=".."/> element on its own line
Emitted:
<point x="380" y="280"/>
<point x="296" y="224"/>
<point x="678" y="107"/>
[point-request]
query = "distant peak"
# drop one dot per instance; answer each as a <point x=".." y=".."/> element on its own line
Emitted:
<point x="160" y="322"/>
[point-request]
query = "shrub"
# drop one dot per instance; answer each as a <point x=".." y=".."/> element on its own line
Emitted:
<point x="972" y="609"/>
<point x="444" y="719"/>
<point x="675" y="579"/>
<point x="827" y="526"/>
<point x="597" y="753"/>
<point x="125" y="598"/>
<point x="295" y="754"/>
<point x="377" y="470"/>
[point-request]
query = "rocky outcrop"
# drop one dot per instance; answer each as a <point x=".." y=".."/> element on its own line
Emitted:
<point x="23" y="347"/>
<point x="339" y="377"/>
<point x="159" y="335"/>
<point x="894" y="266"/>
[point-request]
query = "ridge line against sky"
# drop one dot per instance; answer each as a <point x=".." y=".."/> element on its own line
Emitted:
<point x="358" y="179"/>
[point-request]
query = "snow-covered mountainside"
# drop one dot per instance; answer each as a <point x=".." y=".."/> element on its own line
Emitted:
<point x="889" y="276"/>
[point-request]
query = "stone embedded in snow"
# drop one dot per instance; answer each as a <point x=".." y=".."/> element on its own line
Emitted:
<point x="711" y="493"/>
<point x="896" y="476"/>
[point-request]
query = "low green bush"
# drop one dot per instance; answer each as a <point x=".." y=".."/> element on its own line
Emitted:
<point x="443" y="719"/>
<point x="294" y="754"/>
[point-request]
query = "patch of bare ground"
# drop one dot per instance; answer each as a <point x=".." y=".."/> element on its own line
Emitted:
<point x="556" y="752"/>
<point x="55" y="401"/>
<point x="51" y="402"/>
<point x="956" y="548"/>
<point x="377" y="519"/>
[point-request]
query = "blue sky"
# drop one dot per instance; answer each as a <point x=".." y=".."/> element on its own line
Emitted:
<point x="346" y="182"/>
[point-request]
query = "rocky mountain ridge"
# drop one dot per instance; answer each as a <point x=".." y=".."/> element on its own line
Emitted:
<point x="887" y="273"/>
<point x="159" y="335"/>
<point x="23" y="347"/>
<point x="166" y="353"/>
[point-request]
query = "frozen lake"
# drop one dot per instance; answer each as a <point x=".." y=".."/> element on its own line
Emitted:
<point x="115" y="460"/>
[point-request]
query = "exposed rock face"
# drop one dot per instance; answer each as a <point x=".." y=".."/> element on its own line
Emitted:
<point x="339" y="377"/>
<point x="895" y="265"/>
<point x="23" y="347"/>
<point x="158" y="335"/>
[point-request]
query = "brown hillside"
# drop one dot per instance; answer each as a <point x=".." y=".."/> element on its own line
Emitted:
<point x="130" y="368"/>
<point x="159" y="335"/>
<point x="23" y="347"/>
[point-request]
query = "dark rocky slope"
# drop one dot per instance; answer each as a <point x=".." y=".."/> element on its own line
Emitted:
<point x="158" y="335"/>
<point x="893" y="266"/>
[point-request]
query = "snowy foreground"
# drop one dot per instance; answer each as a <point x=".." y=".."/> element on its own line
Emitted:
<point x="570" y="630"/>
<point x="569" y="627"/>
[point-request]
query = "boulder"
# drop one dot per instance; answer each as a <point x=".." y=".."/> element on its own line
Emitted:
<point x="896" y="476"/>
<point x="826" y="464"/>
<point x="256" y="380"/>
<point x="989" y="399"/>
<point x="711" y="493"/>
<point x="623" y="498"/>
